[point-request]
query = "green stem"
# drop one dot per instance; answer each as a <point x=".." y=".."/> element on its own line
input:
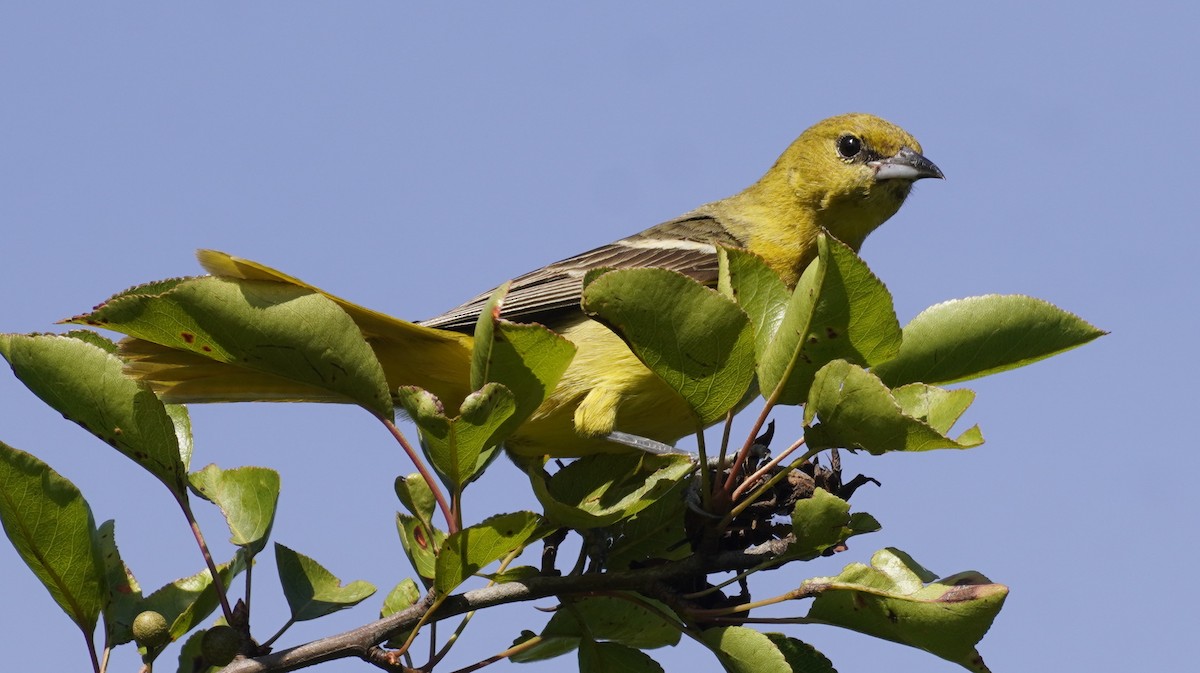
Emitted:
<point x="725" y="434"/>
<point x="287" y="625"/>
<point x="795" y="594"/>
<point x="515" y="649"/>
<point x="736" y="578"/>
<point x="462" y="626"/>
<point x="763" y="620"/>
<point x="412" y="635"/>
<point x="705" y="477"/>
<point x="246" y="598"/>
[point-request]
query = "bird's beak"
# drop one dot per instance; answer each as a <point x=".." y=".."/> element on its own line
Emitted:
<point x="905" y="165"/>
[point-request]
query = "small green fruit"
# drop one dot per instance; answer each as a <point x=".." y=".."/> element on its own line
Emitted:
<point x="220" y="645"/>
<point x="150" y="630"/>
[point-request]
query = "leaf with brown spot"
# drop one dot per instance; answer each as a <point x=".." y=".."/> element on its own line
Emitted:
<point x="896" y="599"/>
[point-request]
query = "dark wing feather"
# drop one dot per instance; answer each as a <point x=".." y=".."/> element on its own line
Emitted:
<point x="550" y="295"/>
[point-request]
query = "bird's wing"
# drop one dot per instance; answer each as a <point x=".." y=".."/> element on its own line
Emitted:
<point x="551" y="294"/>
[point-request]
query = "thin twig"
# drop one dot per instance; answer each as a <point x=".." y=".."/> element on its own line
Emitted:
<point x="705" y="474"/>
<point x="770" y="483"/>
<point x="287" y="625"/>
<point x="447" y="511"/>
<point x="749" y="481"/>
<point x="725" y="434"/>
<point x="91" y="648"/>
<point x="795" y="594"/>
<point x="750" y="437"/>
<point x="246" y="598"/>
<point x="500" y="656"/>
<point x="218" y="583"/>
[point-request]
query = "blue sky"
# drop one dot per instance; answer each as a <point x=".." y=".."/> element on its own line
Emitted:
<point x="408" y="158"/>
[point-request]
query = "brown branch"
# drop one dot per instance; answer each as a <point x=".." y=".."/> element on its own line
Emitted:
<point x="654" y="581"/>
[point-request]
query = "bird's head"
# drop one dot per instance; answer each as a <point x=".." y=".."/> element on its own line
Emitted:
<point x="852" y="172"/>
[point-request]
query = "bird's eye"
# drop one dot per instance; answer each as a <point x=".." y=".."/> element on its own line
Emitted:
<point x="849" y="146"/>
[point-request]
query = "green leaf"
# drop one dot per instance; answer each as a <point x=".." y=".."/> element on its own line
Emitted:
<point x="311" y="590"/>
<point x="697" y="340"/>
<point x="801" y="657"/>
<point x="191" y="660"/>
<point x="403" y="596"/>
<point x="416" y="496"/>
<point x="513" y="574"/>
<point x="529" y="360"/>
<point x="51" y="527"/>
<point x="247" y="497"/>
<point x="743" y="650"/>
<point x="601" y="489"/>
<point x="421" y="543"/>
<point x="183" y="431"/>
<point x="839" y="310"/>
<point x="455" y="446"/>
<point x="746" y="278"/>
<point x="615" y="658"/>
<point x="938" y="407"/>
<point x="485" y="330"/>
<point x="284" y="330"/>
<point x="177" y="412"/>
<point x="819" y="522"/>
<point x="889" y="599"/>
<point x="655" y="532"/>
<point x="618" y="620"/>
<point x="968" y="338"/>
<point x="548" y="648"/>
<point x="862" y="522"/>
<point x="188" y="601"/>
<point x="857" y="411"/>
<point x="604" y="618"/>
<point x="94" y="339"/>
<point x="467" y="551"/>
<point x="443" y="369"/>
<point x="124" y="599"/>
<point x="84" y="383"/>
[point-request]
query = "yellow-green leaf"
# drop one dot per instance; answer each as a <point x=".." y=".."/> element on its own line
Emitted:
<point x="694" y="338"/>
<point x="744" y="650"/>
<point x="51" y="527"/>
<point x="469" y="550"/>
<point x="85" y="383"/>
<point x="287" y="331"/>
<point x="856" y="411"/>
<point x="247" y="497"/>
<point x="839" y="310"/>
<point x="601" y="489"/>
<point x="890" y="599"/>
<point x="968" y="338"/>
<point x="311" y="590"/>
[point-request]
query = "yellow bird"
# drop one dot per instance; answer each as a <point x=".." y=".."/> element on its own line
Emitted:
<point x="847" y="174"/>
